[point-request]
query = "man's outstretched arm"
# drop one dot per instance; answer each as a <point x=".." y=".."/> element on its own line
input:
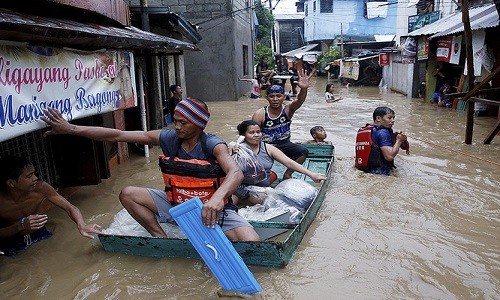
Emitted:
<point x="60" y="126"/>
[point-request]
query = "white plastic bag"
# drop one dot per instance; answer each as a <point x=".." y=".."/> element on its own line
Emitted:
<point x="296" y="193"/>
<point x="253" y="171"/>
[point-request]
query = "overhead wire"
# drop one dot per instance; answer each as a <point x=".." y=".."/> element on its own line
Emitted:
<point x="457" y="151"/>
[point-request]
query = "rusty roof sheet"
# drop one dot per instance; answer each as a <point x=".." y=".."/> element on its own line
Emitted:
<point x="480" y="17"/>
<point x="67" y="33"/>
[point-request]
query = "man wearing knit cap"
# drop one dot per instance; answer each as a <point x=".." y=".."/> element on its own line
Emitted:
<point x="275" y="120"/>
<point x="151" y="206"/>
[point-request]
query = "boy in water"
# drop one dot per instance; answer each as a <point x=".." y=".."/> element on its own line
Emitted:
<point x="318" y="134"/>
<point x="25" y="199"/>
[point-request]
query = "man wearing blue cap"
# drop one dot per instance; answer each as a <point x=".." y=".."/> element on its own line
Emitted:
<point x="151" y="206"/>
<point x="275" y="120"/>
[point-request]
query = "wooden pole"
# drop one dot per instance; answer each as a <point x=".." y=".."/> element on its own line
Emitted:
<point x="469" y="126"/>
<point x="478" y="88"/>
<point x="492" y="134"/>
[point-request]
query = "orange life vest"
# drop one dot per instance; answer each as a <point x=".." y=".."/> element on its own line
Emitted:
<point x="188" y="178"/>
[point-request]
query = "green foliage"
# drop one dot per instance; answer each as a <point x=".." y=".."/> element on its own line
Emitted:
<point x="266" y="21"/>
<point x="332" y="54"/>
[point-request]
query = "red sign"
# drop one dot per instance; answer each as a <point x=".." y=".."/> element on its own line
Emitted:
<point x="443" y="51"/>
<point x="384" y="59"/>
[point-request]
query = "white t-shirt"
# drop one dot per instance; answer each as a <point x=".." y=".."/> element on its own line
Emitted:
<point x="329" y="96"/>
<point x="255" y="88"/>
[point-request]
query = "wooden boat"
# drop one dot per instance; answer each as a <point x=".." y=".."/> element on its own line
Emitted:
<point x="273" y="252"/>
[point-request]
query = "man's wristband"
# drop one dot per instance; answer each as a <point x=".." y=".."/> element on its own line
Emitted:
<point x="23" y="220"/>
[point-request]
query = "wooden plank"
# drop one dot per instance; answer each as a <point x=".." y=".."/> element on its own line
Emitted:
<point x="483" y="91"/>
<point x="267" y="224"/>
<point x="487" y="101"/>
<point x="492" y="134"/>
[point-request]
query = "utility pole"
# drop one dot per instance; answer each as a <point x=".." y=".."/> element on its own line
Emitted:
<point x="273" y="38"/>
<point x="144" y="15"/>
<point x="341" y="42"/>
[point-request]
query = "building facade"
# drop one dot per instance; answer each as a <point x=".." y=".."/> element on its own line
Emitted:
<point x="353" y="19"/>
<point x="83" y="58"/>
<point x="225" y="50"/>
<point x="289" y="30"/>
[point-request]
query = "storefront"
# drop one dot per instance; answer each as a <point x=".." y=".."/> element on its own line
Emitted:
<point x="440" y="47"/>
<point x="90" y="72"/>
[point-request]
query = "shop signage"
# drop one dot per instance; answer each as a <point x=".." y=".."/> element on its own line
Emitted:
<point x="383" y="59"/>
<point x="350" y="69"/>
<point x="79" y="84"/>
<point x="408" y="49"/>
<point x="418" y="21"/>
<point x="423" y="48"/>
<point x="448" y="49"/>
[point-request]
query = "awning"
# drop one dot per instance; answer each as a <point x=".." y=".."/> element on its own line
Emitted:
<point x="480" y="17"/>
<point x="67" y="33"/>
<point x="412" y="2"/>
<point x="360" y="59"/>
<point x="304" y="50"/>
<point x="161" y="16"/>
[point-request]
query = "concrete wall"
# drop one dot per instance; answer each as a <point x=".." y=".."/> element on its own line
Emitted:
<point x="225" y="26"/>
<point x="213" y="72"/>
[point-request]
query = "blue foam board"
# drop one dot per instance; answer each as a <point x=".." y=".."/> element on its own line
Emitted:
<point x="215" y="249"/>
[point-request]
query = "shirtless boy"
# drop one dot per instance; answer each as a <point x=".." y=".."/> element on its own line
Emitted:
<point x="24" y="201"/>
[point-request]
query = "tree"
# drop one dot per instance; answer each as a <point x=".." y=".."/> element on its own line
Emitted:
<point x="266" y="21"/>
<point x="326" y="58"/>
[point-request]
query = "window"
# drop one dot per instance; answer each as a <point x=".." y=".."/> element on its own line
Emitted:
<point x="365" y="5"/>
<point x="314" y="6"/>
<point x="326" y="6"/>
<point x="245" y="60"/>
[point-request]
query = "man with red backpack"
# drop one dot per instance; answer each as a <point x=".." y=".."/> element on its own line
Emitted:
<point x="377" y="145"/>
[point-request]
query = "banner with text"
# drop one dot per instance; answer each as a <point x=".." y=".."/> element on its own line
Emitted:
<point x="79" y="84"/>
<point x="349" y="69"/>
<point x="448" y="49"/>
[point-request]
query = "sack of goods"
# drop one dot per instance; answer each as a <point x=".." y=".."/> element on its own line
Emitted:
<point x="296" y="193"/>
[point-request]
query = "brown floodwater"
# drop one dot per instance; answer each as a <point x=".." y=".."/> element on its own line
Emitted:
<point x="429" y="232"/>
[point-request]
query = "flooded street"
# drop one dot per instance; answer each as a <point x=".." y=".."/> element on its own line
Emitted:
<point x="429" y="232"/>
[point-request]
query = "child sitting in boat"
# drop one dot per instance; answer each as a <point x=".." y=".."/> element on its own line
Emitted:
<point x="318" y="134"/>
<point x="266" y="154"/>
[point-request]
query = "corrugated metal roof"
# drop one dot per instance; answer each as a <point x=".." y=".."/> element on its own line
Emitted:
<point x="299" y="52"/>
<point x="67" y="33"/>
<point x="480" y="17"/>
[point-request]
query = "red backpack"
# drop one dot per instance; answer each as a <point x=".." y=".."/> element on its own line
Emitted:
<point x="367" y="152"/>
